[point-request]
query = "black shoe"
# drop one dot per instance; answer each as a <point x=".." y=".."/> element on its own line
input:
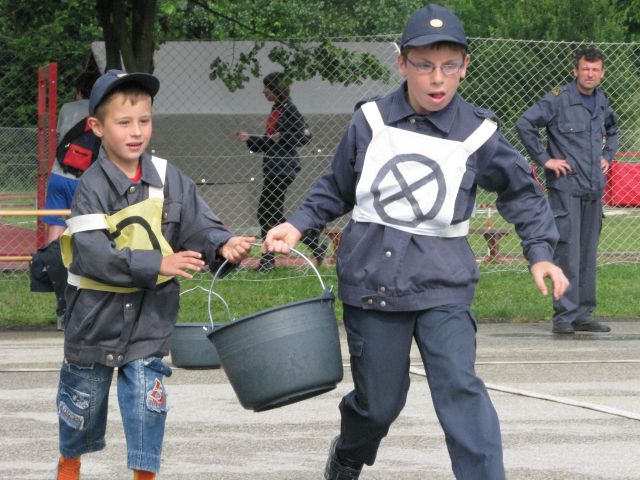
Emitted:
<point x="591" y="326"/>
<point x="267" y="263"/>
<point x="320" y="253"/>
<point x="334" y="470"/>
<point x="562" y="328"/>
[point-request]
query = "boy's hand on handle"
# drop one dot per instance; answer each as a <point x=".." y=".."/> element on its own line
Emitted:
<point x="178" y="263"/>
<point x="281" y="238"/>
<point x="237" y="248"/>
<point x="542" y="270"/>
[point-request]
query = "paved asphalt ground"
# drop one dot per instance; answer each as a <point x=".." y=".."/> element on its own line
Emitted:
<point x="210" y="436"/>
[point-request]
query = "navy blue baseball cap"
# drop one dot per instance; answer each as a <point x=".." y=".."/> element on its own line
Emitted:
<point x="112" y="78"/>
<point x="433" y="24"/>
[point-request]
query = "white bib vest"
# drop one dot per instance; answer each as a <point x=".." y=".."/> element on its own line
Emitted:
<point x="410" y="181"/>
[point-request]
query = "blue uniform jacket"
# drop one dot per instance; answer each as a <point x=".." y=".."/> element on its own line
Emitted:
<point x="573" y="134"/>
<point x="115" y="328"/>
<point x="380" y="267"/>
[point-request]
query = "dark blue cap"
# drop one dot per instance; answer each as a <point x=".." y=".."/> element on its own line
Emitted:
<point x="112" y="78"/>
<point x="433" y="24"/>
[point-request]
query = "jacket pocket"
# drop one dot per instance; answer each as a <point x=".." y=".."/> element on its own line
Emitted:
<point x="571" y="127"/>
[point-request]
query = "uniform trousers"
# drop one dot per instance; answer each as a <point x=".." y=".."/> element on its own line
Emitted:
<point x="579" y="222"/>
<point x="379" y="346"/>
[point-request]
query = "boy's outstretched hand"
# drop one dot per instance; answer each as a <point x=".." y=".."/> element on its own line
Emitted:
<point x="237" y="248"/>
<point x="281" y="238"/>
<point x="542" y="270"/>
<point x="178" y="263"/>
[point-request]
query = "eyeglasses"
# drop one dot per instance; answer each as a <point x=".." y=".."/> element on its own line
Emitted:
<point x="448" y="69"/>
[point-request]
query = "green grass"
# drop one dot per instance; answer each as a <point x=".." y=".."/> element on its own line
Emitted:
<point x="505" y="296"/>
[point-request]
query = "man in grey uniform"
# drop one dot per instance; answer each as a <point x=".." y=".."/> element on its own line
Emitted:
<point x="581" y="131"/>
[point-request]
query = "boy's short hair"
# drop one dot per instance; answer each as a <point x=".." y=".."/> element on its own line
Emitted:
<point x="84" y="83"/>
<point x="589" y="54"/>
<point x="433" y="24"/>
<point x="112" y="79"/>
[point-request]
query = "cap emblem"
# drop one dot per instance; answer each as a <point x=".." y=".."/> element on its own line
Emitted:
<point x="436" y="23"/>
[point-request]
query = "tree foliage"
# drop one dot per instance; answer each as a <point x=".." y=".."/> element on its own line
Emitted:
<point x="35" y="32"/>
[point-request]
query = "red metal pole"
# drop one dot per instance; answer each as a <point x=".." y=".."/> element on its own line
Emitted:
<point x="47" y="105"/>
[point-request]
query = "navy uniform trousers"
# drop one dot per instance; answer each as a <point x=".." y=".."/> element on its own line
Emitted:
<point x="379" y="346"/>
<point x="579" y="222"/>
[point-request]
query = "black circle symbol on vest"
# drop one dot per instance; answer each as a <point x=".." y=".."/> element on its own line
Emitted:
<point x="406" y="187"/>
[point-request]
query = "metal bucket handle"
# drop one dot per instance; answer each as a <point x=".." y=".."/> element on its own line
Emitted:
<point x="220" y="268"/>
<point x="226" y="306"/>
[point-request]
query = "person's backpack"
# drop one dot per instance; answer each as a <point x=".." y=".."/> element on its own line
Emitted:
<point x="78" y="148"/>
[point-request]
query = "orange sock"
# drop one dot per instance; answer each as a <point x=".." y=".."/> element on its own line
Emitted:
<point x="143" y="475"/>
<point x="68" y="468"/>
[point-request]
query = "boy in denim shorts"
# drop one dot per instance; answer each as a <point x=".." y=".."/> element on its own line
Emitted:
<point x="136" y="224"/>
<point x="407" y="169"/>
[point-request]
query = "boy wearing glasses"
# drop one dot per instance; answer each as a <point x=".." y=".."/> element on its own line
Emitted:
<point x="407" y="168"/>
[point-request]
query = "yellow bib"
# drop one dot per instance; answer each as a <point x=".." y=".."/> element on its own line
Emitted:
<point x="137" y="227"/>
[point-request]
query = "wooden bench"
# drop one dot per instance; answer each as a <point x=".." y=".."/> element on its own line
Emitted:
<point x="492" y="236"/>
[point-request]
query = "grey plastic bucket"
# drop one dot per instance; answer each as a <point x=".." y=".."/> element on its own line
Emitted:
<point x="282" y="355"/>
<point x="190" y="347"/>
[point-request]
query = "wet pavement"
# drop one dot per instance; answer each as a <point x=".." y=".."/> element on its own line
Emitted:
<point x="569" y="408"/>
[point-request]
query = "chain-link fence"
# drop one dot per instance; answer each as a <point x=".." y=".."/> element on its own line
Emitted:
<point x="196" y="120"/>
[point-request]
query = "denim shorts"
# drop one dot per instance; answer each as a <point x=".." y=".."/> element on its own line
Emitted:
<point x="83" y="401"/>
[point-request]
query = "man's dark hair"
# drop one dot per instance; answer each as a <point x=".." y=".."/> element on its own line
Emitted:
<point x="589" y="54"/>
<point x="84" y="83"/>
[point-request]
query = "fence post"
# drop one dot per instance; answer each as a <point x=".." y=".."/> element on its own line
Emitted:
<point x="47" y="105"/>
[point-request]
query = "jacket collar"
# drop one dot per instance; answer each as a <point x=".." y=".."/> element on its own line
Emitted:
<point x="120" y="181"/>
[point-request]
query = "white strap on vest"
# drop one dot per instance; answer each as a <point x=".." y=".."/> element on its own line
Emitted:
<point x="480" y="136"/>
<point x="373" y="116"/>
<point x="161" y="168"/>
<point x="97" y="221"/>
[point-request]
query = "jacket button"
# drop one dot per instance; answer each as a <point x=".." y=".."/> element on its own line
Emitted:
<point x="370" y="302"/>
<point x="387" y="253"/>
<point x="412" y="121"/>
<point x="119" y="358"/>
<point x="383" y="304"/>
<point x="128" y="306"/>
<point x="132" y="189"/>
<point x="382" y="289"/>
<point x="109" y="358"/>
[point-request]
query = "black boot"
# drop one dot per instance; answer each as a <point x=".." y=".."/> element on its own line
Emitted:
<point x="334" y="470"/>
<point x="320" y="252"/>
<point x="267" y="263"/>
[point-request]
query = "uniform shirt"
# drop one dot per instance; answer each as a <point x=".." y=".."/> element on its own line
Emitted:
<point x="573" y="134"/>
<point x="115" y="328"/>
<point x="281" y="157"/>
<point x="381" y="267"/>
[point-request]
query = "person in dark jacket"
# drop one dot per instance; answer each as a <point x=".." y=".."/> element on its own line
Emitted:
<point x="285" y="131"/>
<point x="408" y="167"/>
<point x="581" y="132"/>
<point x="137" y="223"/>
